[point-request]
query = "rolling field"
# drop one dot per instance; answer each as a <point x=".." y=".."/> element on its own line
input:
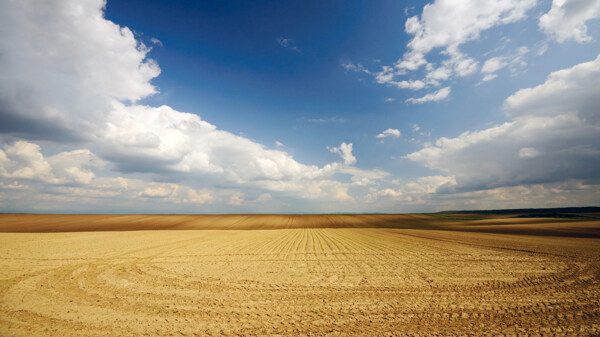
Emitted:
<point x="101" y="275"/>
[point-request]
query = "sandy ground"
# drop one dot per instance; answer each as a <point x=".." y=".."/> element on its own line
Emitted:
<point x="301" y="281"/>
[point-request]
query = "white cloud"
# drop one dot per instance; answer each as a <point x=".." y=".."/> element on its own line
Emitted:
<point x="156" y="192"/>
<point x="493" y="64"/>
<point x="514" y="62"/>
<point x="414" y="85"/>
<point x="156" y="42"/>
<point x="196" y="197"/>
<point x="386" y="76"/>
<point x="96" y="61"/>
<point x="75" y="166"/>
<point x="444" y="26"/>
<point x="566" y="19"/>
<point x="438" y="27"/>
<point x="489" y="77"/>
<point x="345" y="152"/>
<point x="552" y="137"/>
<point x="422" y="194"/>
<point x="571" y="192"/>
<point x="355" y="67"/>
<point x="70" y="176"/>
<point x="237" y="199"/>
<point x="23" y="160"/>
<point x="542" y="49"/>
<point x="140" y="138"/>
<point x="389" y="99"/>
<point x="361" y="177"/>
<point x="568" y="92"/>
<point x="449" y="24"/>
<point x="394" y="133"/>
<point x="413" y="192"/>
<point x="288" y="44"/>
<point x="436" y="75"/>
<point x="433" y="97"/>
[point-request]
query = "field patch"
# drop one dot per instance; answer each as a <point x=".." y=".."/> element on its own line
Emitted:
<point x="298" y="281"/>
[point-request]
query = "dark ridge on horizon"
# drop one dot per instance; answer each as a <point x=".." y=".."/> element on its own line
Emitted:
<point x="514" y="211"/>
<point x="545" y="211"/>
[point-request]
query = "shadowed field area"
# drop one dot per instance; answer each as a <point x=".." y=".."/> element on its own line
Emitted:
<point x="305" y="275"/>
<point x="493" y="223"/>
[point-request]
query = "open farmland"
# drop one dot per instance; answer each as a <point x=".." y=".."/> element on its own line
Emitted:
<point x="176" y="275"/>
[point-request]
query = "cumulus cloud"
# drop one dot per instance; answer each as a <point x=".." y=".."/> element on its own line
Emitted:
<point x="237" y="199"/>
<point x="97" y="61"/>
<point x="345" y="152"/>
<point x="433" y="97"/>
<point x="566" y="19"/>
<point x="24" y="160"/>
<point x="413" y="192"/>
<point x="437" y="29"/>
<point x="196" y="197"/>
<point x="141" y="138"/>
<point x="394" y="133"/>
<point x="364" y="178"/>
<point x="76" y="166"/>
<point x="70" y="175"/>
<point x="567" y="92"/>
<point x="552" y="137"/>
<point x="422" y="195"/>
<point x="559" y="194"/>
<point x="156" y="192"/>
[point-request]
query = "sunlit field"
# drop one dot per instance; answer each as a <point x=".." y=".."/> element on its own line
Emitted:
<point x="297" y="275"/>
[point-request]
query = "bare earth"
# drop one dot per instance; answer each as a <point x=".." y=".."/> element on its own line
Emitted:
<point x="111" y="275"/>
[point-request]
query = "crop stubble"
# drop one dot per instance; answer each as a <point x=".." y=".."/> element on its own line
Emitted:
<point x="298" y="281"/>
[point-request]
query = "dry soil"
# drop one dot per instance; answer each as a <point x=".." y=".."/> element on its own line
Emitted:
<point x="99" y="275"/>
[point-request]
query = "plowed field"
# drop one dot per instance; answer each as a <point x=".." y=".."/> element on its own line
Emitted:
<point x="416" y="275"/>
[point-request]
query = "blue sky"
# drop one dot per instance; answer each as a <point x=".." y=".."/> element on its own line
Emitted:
<point x="218" y="107"/>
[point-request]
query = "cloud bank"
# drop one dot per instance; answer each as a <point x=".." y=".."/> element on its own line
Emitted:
<point x="552" y="137"/>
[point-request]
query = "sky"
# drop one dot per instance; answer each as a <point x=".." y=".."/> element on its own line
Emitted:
<point x="298" y="107"/>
